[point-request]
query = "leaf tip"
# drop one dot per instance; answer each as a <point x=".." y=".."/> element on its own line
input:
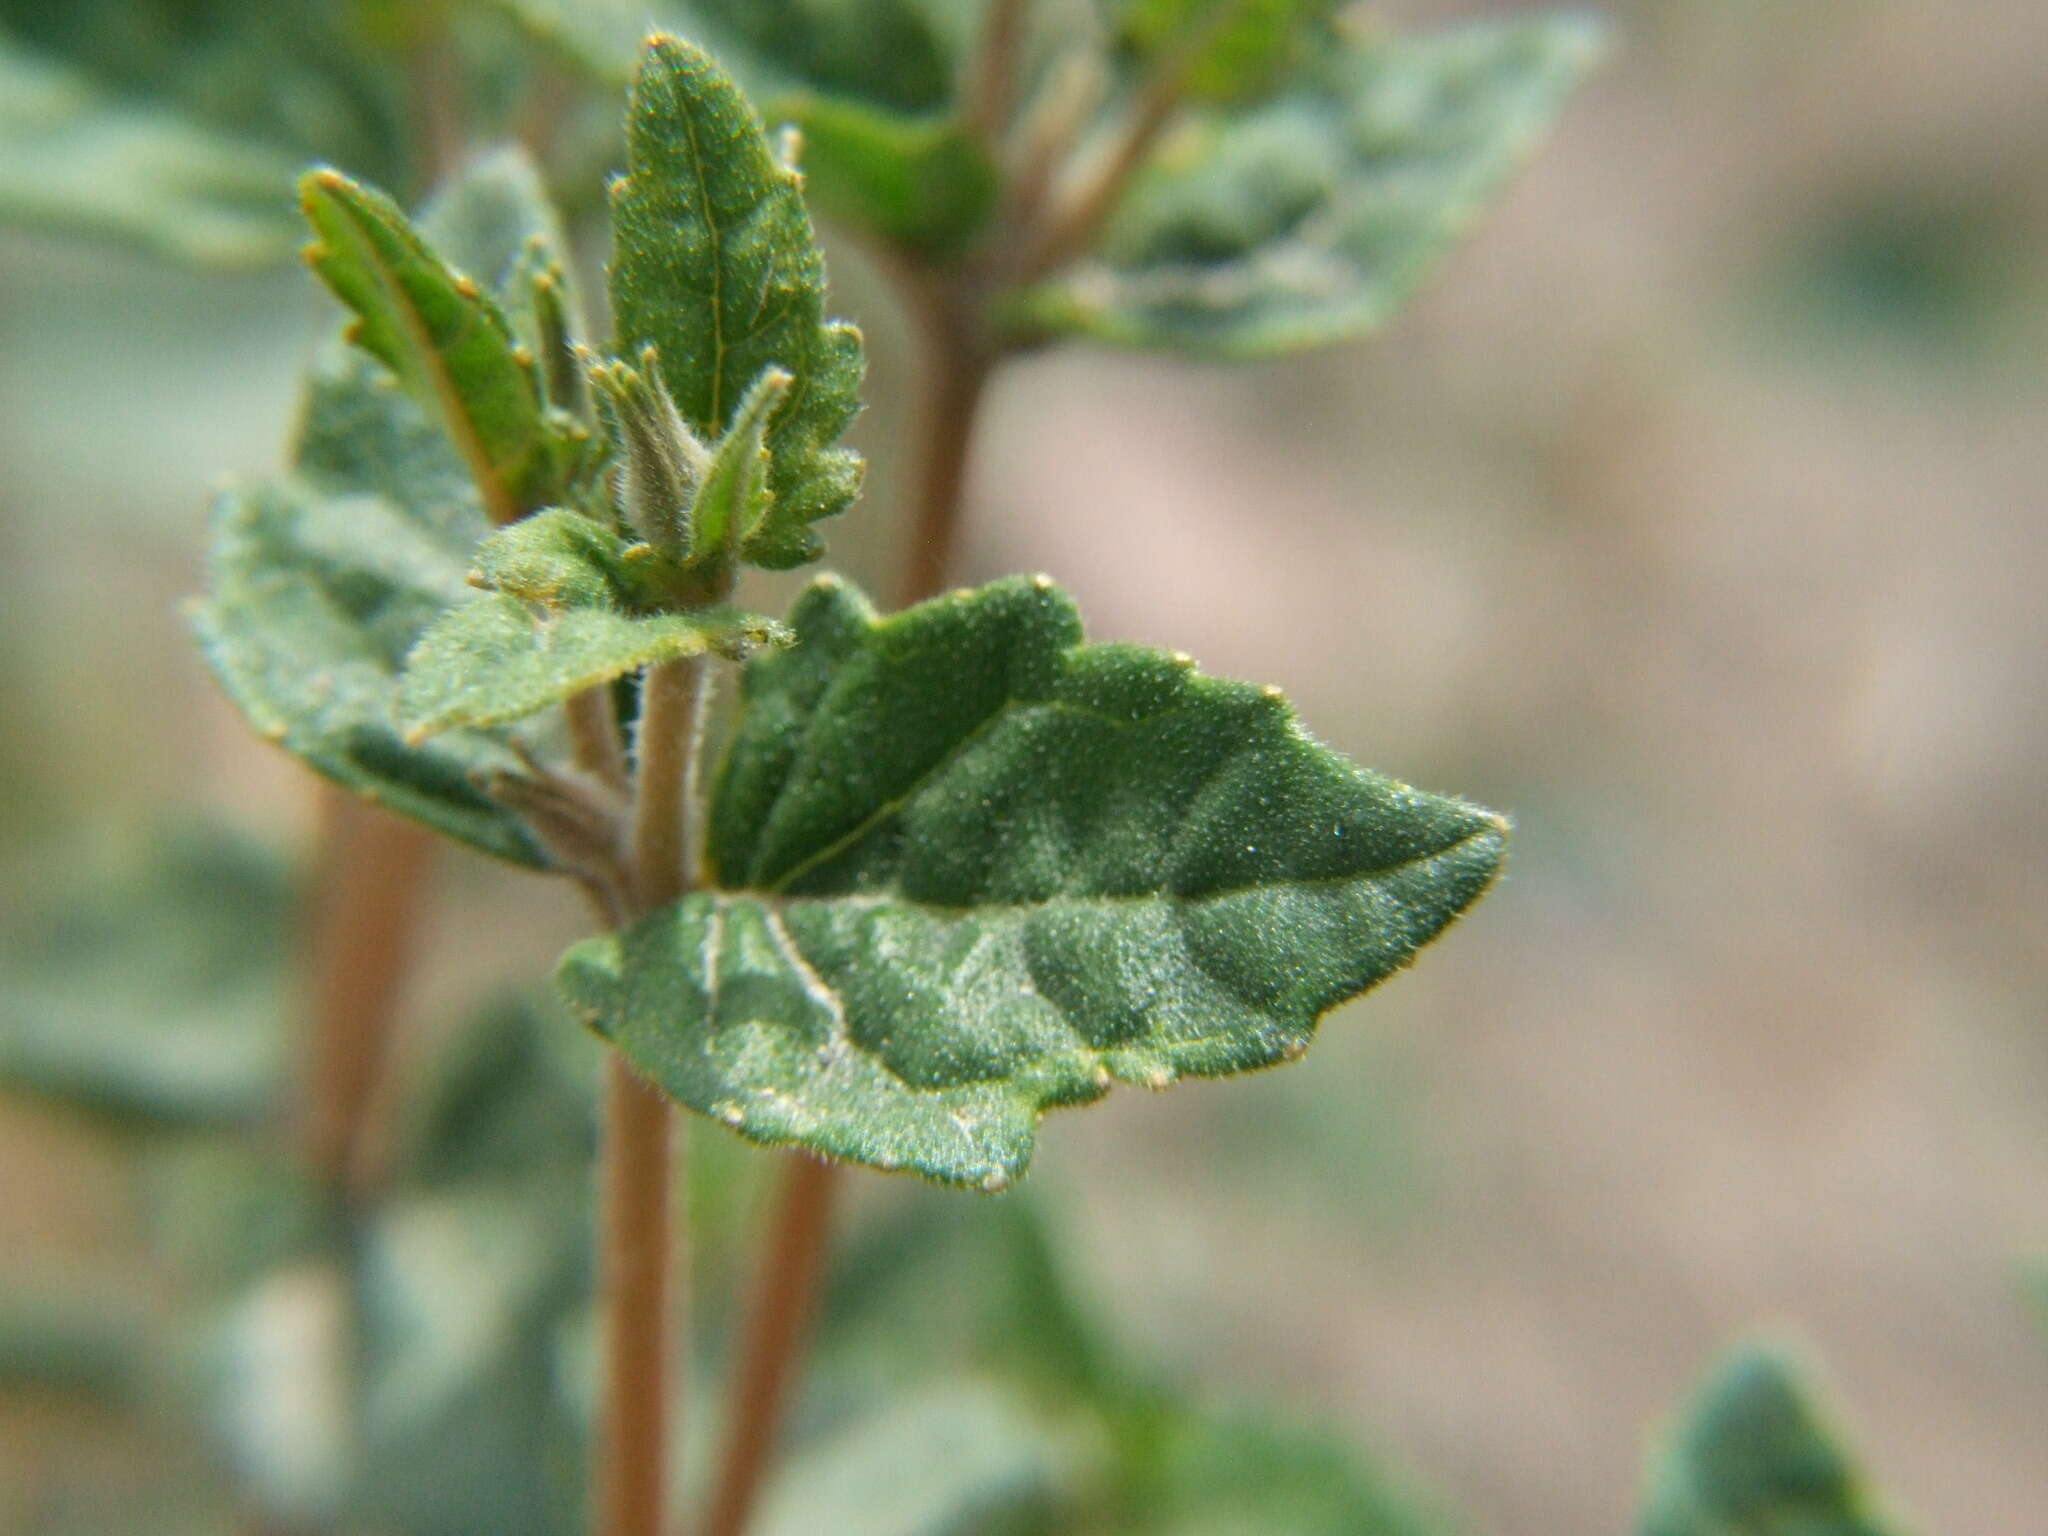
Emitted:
<point x="1042" y="583"/>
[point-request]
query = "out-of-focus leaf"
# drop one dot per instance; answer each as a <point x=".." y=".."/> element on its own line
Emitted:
<point x="446" y="339"/>
<point x="947" y="1290"/>
<point x="1239" y="47"/>
<point x="895" y="54"/>
<point x="925" y="182"/>
<point x="177" y="124"/>
<point x="1180" y="882"/>
<point x="512" y="1093"/>
<point x="158" y="994"/>
<point x="1754" y="1453"/>
<point x="1312" y="218"/>
<point x="714" y="265"/>
<point x="322" y="583"/>
<point x="73" y="1339"/>
<point x="948" y="1459"/>
<point x="494" y="660"/>
<point x="1221" y="1472"/>
<point x="465" y="1425"/>
<point x="74" y="157"/>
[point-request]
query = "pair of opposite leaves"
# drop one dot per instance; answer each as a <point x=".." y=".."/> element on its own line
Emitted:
<point x="962" y="865"/>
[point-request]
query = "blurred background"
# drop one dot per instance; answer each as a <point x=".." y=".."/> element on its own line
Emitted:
<point x="1694" y="515"/>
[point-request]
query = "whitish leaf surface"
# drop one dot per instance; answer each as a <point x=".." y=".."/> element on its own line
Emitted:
<point x="155" y="993"/>
<point x="1312" y="218"/>
<point x="496" y="660"/>
<point x="715" y="265"/>
<point x="321" y="583"/>
<point x="1753" y="1453"/>
<point x="442" y="334"/>
<point x="75" y="156"/>
<point x="972" y="868"/>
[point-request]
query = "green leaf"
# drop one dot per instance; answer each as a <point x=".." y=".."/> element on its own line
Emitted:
<point x="1753" y="1453"/>
<point x="714" y="265"/>
<point x="157" y="992"/>
<point x="322" y="582"/>
<point x="1240" y="46"/>
<point x="734" y="499"/>
<point x="74" y="156"/>
<point x="897" y="54"/>
<point x="951" y="1458"/>
<point x="495" y="660"/>
<point x="924" y="182"/>
<point x="1313" y="218"/>
<point x="441" y="334"/>
<point x="973" y="869"/>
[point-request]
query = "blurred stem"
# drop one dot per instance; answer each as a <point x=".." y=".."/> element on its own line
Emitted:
<point x="638" y="1240"/>
<point x="594" y="736"/>
<point x="992" y="82"/>
<point x="438" y="106"/>
<point x="785" y="1292"/>
<point x="1070" y="226"/>
<point x="957" y="366"/>
<point x="367" y="897"/>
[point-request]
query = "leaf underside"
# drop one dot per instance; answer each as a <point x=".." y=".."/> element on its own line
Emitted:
<point x="1311" y="218"/>
<point x="715" y="265"/>
<point x="322" y="581"/>
<point x="1755" y="1454"/>
<point x="972" y="869"/>
<point x="494" y="660"/>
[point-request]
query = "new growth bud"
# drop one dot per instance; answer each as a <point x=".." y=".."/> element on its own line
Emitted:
<point x="665" y="464"/>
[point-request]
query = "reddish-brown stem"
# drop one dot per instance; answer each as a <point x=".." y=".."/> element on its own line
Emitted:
<point x="642" y="1368"/>
<point x="366" y="901"/>
<point x="993" y="79"/>
<point x="785" y="1291"/>
<point x="957" y="365"/>
<point x="632" y="1475"/>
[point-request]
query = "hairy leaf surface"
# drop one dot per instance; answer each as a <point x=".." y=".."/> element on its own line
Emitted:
<point x="442" y="334"/>
<point x="714" y="264"/>
<point x="972" y="868"/>
<point x="496" y="660"/>
<point x="1754" y="1454"/>
<point x="1312" y="218"/>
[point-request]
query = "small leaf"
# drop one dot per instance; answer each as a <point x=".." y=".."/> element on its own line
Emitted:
<point x="1754" y="1454"/>
<point x="714" y="265"/>
<point x="322" y="582"/>
<point x="664" y="460"/>
<point x="1313" y="218"/>
<point x="495" y="660"/>
<point x="924" y="182"/>
<point x="734" y="498"/>
<point x="443" y="336"/>
<point x="973" y="869"/>
<point x="75" y="156"/>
